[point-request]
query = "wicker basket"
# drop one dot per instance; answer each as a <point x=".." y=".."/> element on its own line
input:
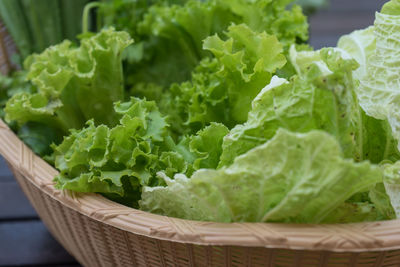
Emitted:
<point x="99" y="232"/>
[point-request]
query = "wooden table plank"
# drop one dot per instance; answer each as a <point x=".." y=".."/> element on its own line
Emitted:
<point x="5" y="173"/>
<point x="341" y="17"/>
<point x="13" y="203"/>
<point x="343" y="6"/>
<point x="29" y="242"/>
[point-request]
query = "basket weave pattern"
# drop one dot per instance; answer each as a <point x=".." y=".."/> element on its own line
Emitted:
<point x="99" y="232"/>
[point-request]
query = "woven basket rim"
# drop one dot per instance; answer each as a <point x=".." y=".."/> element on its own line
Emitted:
<point x="354" y="237"/>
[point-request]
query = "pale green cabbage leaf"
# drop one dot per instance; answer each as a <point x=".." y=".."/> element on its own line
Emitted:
<point x="321" y="96"/>
<point x="291" y="178"/>
<point x="360" y="45"/>
<point x="391" y="182"/>
<point x="379" y="90"/>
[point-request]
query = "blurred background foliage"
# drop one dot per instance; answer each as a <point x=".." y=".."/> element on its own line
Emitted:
<point x="36" y="24"/>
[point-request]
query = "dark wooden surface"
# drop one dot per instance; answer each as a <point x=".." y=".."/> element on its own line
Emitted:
<point x="24" y="240"/>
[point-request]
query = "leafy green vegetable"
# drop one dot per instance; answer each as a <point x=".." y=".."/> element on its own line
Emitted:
<point x="11" y="85"/>
<point x="204" y="149"/>
<point x="360" y="45"/>
<point x="39" y="137"/>
<point x="121" y="159"/>
<point x="320" y="97"/>
<point x="99" y="159"/>
<point x="355" y="212"/>
<point x="391" y="184"/>
<point x="169" y="34"/>
<point x="36" y="135"/>
<point x="68" y="78"/>
<point x="378" y="92"/>
<point x="291" y="178"/>
<point x="222" y="89"/>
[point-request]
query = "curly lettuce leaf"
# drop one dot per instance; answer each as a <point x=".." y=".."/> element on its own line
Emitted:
<point x="119" y="160"/>
<point x="36" y="135"/>
<point x="222" y="89"/>
<point x="288" y="24"/>
<point x="11" y="85"/>
<point x="169" y="40"/>
<point x="204" y="149"/>
<point x="248" y="58"/>
<point x="101" y="159"/>
<point x="169" y="34"/>
<point x="125" y="15"/>
<point x="74" y="84"/>
<point x="294" y="177"/>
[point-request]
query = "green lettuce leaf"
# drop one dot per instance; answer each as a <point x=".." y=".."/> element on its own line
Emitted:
<point x="119" y="160"/>
<point x="204" y="149"/>
<point x="36" y="135"/>
<point x="74" y="84"/>
<point x="39" y="137"/>
<point x="169" y="34"/>
<point x="288" y="24"/>
<point x="101" y="159"/>
<point x="293" y="177"/>
<point x="11" y="85"/>
<point x="222" y="89"/>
